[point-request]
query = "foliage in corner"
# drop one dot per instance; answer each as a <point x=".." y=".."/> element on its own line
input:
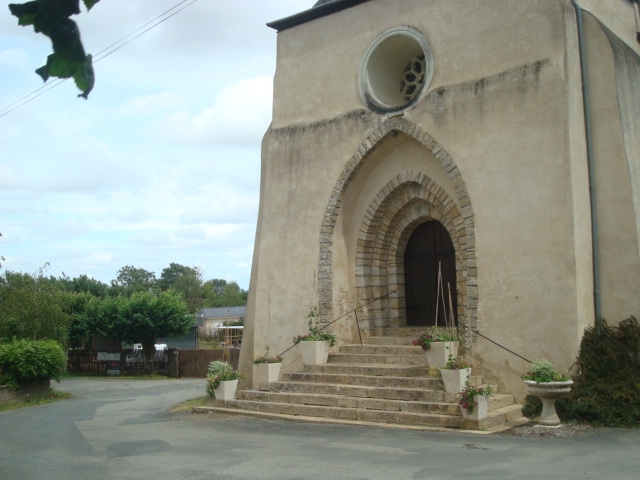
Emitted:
<point x="220" y="372"/>
<point x="435" y="334"/>
<point x="606" y="389"/>
<point x="543" y="371"/>
<point x="51" y="18"/>
<point x="266" y="358"/>
<point x="466" y="398"/>
<point x="315" y="333"/>
<point x="23" y="361"/>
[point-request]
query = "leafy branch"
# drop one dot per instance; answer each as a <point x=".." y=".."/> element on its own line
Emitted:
<point x="51" y="18"/>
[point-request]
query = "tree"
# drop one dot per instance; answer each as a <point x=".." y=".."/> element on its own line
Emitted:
<point x="220" y="293"/>
<point x="141" y="318"/>
<point x="83" y="284"/>
<point x="33" y="307"/>
<point x="187" y="281"/>
<point x="51" y="18"/>
<point x="131" y="279"/>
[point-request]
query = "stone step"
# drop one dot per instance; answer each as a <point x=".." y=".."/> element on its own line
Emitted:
<point x="494" y="418"/>
<point x="370" y="369"/>
<point x="424" y="382"/>
<point x="351" y="390"/>
<point x="380" y="359"/>
<point x="405" y="350"/>
<point x="385" y="381"/>
<point x="329" y="400"/>
<point x="342" y="413"/>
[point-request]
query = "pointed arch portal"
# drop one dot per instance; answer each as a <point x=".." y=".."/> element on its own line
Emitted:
<point x="407" y="201"/>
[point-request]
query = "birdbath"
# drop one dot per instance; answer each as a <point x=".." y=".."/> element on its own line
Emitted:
<point x="549" y="392"/>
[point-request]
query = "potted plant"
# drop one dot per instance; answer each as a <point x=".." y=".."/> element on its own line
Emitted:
<point x="455" y="374"/>
<point x="266" y="369"/>
<point x="546" y="383"/>
<point x="439" y="344"/>
<point x="315" y="344"/>
<point x="222" y="381"/>
<point x="474" y="401"/>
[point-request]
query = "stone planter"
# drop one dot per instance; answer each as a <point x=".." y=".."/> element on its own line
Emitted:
<point x="549" y="392"/>
<point x="439" y="352"/>
<point x="315" y="352"/>
<point x="265" y="373"/>
<point x="480" y="410"/>
<point x="226" y="390"/>
<point x="454" y="380"/>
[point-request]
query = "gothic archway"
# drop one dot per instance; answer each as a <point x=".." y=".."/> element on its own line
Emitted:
<point x="409" y="199"/>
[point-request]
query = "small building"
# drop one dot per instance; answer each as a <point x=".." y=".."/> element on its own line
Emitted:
<point x="213" y="318"/>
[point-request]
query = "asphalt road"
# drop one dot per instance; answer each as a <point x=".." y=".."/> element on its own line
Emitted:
<point x="121" y="429"/>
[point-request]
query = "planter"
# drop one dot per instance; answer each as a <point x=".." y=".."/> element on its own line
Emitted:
<point x="454" y="380"/>
<point x="226" y="390"/>
<point x="266" y="373"/>
<point x="480" y="410"/>
<point x="549" y="392"/>
<point x="439" y="352"/>
<point x="315" y="352"/>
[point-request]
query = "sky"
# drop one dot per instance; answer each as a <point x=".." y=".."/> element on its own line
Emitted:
<point x="162" y="163"/>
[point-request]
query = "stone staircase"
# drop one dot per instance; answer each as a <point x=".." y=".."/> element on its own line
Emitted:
<point x="386" y="381"/>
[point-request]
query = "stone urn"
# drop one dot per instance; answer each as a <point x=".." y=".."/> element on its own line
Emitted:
<point x="549" y="392"/>
<point x="439" y="352"/>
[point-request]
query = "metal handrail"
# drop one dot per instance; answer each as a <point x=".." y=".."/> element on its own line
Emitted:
<point x="495" y="343"/>
<point x="355" y="311"/>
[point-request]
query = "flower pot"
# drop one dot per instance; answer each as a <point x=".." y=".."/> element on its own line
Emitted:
<point x="226" y="390"/>
<point x="314" y="352"/>
<point x="266" y="373"/>
<point x="549" y="392"/>
<point x="480" y="409"/>
<point x="438" y="353"/>
<point x="454" y="380"/>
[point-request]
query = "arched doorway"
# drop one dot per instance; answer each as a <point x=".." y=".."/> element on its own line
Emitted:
<point x="429" y="249"/>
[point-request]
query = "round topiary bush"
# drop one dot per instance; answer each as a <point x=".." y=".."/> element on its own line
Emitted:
<point x="23" y="361"/>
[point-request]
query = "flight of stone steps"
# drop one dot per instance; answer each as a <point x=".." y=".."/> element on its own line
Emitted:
<point x="386" y="381"/>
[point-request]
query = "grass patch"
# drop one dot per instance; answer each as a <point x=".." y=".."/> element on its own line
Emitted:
<point x="189" y="404"/>
<point x="55" y="396"/>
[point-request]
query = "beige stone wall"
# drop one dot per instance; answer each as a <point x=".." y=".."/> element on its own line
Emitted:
<point x="495" y="151"/>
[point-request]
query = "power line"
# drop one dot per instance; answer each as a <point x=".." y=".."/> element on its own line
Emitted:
<point x="115" y="46"/>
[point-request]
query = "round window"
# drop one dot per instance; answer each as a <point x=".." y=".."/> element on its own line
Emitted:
<point x="396" y="69"/>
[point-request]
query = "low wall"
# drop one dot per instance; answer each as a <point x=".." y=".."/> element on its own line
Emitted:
<point x="195" y="363"/>
<point x="39" y="388"/>
<point x="176" y="363"/>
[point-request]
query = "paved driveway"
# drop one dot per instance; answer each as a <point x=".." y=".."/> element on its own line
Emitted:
<point x="120" y="429"/>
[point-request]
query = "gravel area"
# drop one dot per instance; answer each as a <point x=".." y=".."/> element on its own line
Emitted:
<point x="566" y="430"/>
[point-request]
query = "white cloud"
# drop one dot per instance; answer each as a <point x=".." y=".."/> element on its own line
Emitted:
<point x="162" y="163"/>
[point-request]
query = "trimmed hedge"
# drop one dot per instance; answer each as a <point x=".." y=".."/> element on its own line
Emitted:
<point x="607" y="386"/>
<point x="23" y="361"/>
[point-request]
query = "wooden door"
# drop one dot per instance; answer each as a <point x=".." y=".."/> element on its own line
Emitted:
<point x="429" y="245"/>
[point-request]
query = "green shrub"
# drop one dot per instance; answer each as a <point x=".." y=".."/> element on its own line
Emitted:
<point x="607" y="385"/>
<point x="23" y="361"/>
<point x="220" y="372"/>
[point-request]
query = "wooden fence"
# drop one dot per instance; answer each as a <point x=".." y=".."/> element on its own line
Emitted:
<point x="175" y="363"/>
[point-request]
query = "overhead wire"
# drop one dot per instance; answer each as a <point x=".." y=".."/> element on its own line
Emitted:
<point x="115" y="46"/>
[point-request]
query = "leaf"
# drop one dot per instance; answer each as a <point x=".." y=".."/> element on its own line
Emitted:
<point x="90" y="3"/>
<point x="85" y="77"/>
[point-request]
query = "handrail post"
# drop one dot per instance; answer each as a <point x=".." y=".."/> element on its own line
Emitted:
<point x="358" y="325"/>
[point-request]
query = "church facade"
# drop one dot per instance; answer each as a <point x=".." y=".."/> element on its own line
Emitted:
<point x="483" y="153"/>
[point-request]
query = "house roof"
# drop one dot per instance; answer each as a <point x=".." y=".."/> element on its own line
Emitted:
<point x="221" y="312"/>
<point x="322" y="8"/>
